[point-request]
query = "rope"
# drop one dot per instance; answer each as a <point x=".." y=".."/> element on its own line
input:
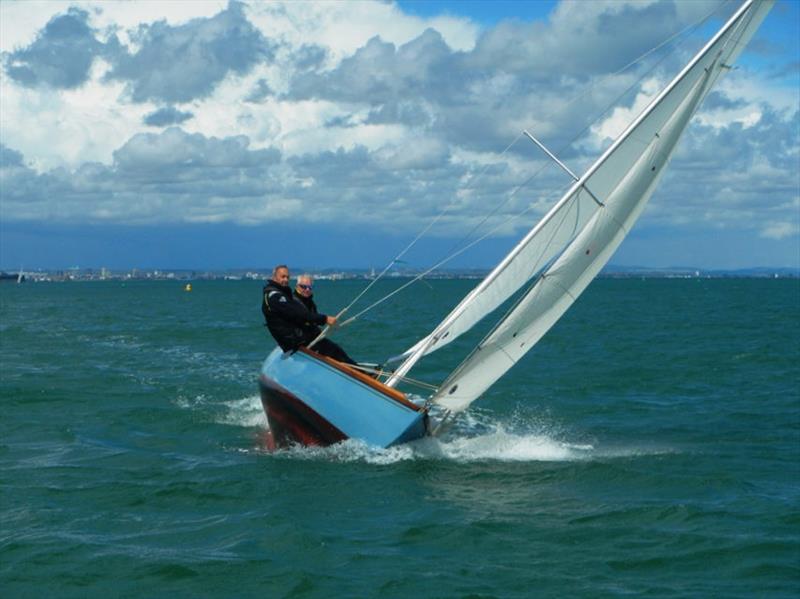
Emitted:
<point x="327" y="328"/>
<point x="437" y="265"/>
<point x="405" y="379"/>
<point x="419" y="236"/>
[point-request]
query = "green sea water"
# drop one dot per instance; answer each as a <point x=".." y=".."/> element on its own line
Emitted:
<point x="648" y="446"/>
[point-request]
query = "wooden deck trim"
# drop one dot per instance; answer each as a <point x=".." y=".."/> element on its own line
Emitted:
<point x="391" y="392"/>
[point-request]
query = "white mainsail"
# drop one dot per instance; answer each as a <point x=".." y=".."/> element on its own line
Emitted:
<point x="584" y="228"/>
<point x="563" y="282"/>
<point x="546" y="241"/>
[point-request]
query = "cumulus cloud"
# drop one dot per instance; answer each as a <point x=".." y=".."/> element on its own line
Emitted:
<point x="517" y="74"/>
<point x="324" y="111"/>
<point x="174" y="148"/>
<point x="184" y="62"/>
<point x="780" y="230"/>
<point x="166" y="116"/>
<point x="261" y="91"/>
<point x="61" y="56"/>
<point x="735" y="177"/>
<point x="172" y="176"/>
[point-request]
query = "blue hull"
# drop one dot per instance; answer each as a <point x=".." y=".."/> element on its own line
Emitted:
<point x="313" y="400"/>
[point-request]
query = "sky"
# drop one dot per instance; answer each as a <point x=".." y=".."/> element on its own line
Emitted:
<point x="215" y="134"/>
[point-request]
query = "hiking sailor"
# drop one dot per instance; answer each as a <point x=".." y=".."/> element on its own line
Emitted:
<point x="304" y="293"/>
<point x="290" y="322"/>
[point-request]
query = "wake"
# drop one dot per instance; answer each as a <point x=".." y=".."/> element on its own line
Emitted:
<point x="476" y="436"/>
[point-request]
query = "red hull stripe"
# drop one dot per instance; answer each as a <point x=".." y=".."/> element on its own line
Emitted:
<point x="292" y="421"/>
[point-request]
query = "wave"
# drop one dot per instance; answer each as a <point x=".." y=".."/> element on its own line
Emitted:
<point x="497" y="446"/>
<point x="244" y="412"/>
<point x="476" y="436"/>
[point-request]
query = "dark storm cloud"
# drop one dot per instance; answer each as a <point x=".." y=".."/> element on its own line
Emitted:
<point x="167" y="116"/>
<point x="61" y="56"/>
<point x="178" y="64"/>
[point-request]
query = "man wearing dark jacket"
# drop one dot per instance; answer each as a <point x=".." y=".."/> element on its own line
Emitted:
<point x="288" y="319"/>
<point x="304" y="293"/>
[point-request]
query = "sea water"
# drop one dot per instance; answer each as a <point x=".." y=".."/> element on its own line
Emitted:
<point x="648" y="445"/>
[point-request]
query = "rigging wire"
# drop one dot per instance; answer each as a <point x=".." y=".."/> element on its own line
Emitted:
<point x="437" y="265"/>
<point x="326" y="330"/>
<point x="418" y="237"/>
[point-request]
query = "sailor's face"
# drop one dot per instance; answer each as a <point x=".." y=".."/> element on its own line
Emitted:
<point x="305" y="287"/>
<point x="282" y="276"/>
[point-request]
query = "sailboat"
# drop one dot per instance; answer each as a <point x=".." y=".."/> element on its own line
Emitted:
<point x="313" y="400"/>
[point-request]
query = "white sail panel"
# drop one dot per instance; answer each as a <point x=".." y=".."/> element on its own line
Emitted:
<point x="633" y="169"/>
<point x="550" y="297"/>
<point x="551" y="239"/>
<point x="553" y="233"/>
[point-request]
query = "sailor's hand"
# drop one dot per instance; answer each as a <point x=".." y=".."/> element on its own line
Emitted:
<point x="330" y="320"/>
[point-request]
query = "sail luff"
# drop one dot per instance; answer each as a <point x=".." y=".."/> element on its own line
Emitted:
<point x="451" y="327"/>
<point x="586" y="254"/>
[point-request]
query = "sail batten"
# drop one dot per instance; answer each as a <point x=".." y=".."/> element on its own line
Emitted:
<point x="625" y="176"/>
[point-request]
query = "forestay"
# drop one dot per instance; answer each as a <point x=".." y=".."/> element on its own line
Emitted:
<point x="579" y="235"/>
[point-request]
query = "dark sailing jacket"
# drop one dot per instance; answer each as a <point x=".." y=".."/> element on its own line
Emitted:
<point x="287" y="319"/>
<point x="311" y="330"/>
<point x="308" y="302"/>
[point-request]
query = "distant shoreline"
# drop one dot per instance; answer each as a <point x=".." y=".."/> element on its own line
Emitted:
<point x="103" y="274"/>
